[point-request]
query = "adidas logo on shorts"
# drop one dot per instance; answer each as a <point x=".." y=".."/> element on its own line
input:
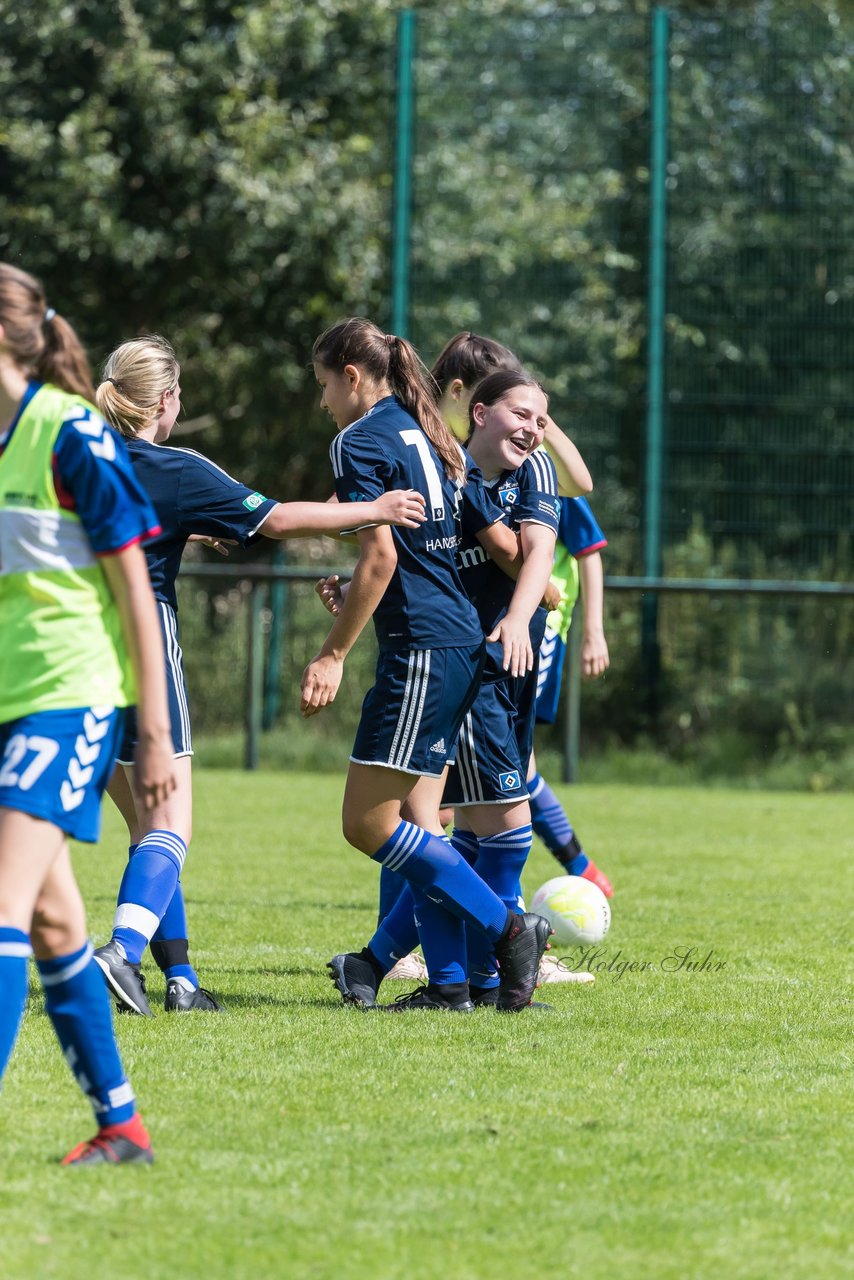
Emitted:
<point x="439" y="747"/>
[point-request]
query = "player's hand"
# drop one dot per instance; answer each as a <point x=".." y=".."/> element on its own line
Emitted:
<point x="553" y="596"/>
<point x="216" y="544"/>
<point x="595" y="659"/>
<point x="332" y="592"/>
<point x="154" y="769"/>
<point x="400" y="506"/>
<point x="518" y="656"/>
<point x="320" y="682"/>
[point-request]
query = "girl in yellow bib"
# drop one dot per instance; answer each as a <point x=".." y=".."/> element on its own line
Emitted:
<point x="80" y="644"/>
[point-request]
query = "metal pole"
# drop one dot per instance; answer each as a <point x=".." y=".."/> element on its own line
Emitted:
<point x="404" y="122"/>
<point x="254" y="675"/>
<point x="655" y="346"/>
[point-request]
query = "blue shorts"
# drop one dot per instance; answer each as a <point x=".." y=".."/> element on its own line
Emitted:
<point x="552" y="656"/>
<point x="411" y="717"/>
<point x="495" y="745"/>
<point x="176" y="693"/>
<point x="55" y="765"/>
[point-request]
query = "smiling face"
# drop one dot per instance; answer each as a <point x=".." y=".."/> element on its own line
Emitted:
<point x="506" y="432"/>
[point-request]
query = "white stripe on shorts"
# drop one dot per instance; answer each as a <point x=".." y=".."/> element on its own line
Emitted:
<point x="412" y="708"/>
<point x="467" y="763"/>
<point x="173" y="662"/>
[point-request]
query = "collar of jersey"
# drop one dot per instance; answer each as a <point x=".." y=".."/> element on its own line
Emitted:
<point x="32" y="388"/>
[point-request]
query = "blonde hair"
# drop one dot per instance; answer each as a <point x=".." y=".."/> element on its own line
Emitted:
<point x="135" y="376"/>
<point x="42" y="343"/>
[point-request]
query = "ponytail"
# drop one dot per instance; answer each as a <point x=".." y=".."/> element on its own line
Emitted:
<point x="135" y="377"/>
<point x="42" y="343"/>
<point x="387" y="358"/>
<point x="413" y="386"/>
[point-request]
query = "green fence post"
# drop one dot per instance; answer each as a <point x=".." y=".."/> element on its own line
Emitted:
<point x="404" y="123"/>
<point x="276" y="644"/>
<point x="655" y="353"/>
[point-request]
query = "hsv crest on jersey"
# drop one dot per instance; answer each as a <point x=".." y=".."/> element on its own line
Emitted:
<point x="509" y="781"/>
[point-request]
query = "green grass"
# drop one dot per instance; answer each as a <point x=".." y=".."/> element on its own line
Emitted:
<point x="657" y="1124"/>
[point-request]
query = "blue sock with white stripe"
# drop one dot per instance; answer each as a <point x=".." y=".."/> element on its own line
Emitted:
<point x="500" y="861"/>
<point x="431" y="863"/>
<point x="465" y="843"/>
<point x="79" y="1008"/>
<point x="553" y="826"/>
<point x="146" y="890"/>
<point x="397" y="934"/>
<point x="15" y="951"/>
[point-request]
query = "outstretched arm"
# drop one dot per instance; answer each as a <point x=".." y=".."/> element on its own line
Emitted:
<point x="302" y="519"/>
<point x="573" y="478"/>
<point x="371" y="576"/>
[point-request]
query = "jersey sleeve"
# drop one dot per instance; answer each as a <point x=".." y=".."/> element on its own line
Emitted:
<point x="359" y="465"/>
<point x="94" y="477"/>
<point x="478" y="508"/>
<point x="538" y="496"/>
<point x="579" y="531"/>
<point x="212" y="503"/>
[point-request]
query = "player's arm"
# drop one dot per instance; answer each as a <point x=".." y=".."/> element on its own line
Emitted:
<point x="127" y="577"/>
<point x="371" y="576"/>
<point x="595" y="658"/>
<point x="538" y="548"/>
<point x="503" y="546"/>
<point x="573" y="477"/>
<point x="302" y="519"/>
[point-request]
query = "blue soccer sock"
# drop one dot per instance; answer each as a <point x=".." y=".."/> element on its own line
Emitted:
<point x="500" y="861"/>
<point x="466" y="844"/>
<point x="551" y="824"/>
<point x="391" y="886"/>
<point x="169" y="943"/>
<point x="397" y="934"/>
<point x="145" y="892"/>
<point x="430" y="863"/>
<point x="79" y="1008"/>
<point x="443" y="941"/>
<point x="15" y="951"/>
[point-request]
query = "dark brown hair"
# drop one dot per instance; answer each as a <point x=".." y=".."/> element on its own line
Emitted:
<point x="390" y="359"/>
<point x="470" y="358"/>
<point x="496" y="385"/>
<point x="41" y="343"/>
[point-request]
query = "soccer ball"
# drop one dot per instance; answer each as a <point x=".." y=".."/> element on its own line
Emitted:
<point x="576" y="909"/>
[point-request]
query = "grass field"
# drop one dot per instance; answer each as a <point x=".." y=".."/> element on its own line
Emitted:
<point x="671" y="1124"/>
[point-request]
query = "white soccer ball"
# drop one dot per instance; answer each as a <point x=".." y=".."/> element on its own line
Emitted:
<point x="576" y="909"/>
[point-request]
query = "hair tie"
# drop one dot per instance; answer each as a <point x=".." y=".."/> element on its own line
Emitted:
<point x="472" y="336"/>
<point x="113" y="381"/>
<point x="48" y="315"/>
<point x="390" y="339"/>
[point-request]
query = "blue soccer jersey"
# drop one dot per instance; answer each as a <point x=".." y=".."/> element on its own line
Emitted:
<point x="527" y="495"/>
<point x="93" y="477"/>
<point x="191" y="494"/>
<point x="424" y="606"/>
<point x="578" y="529"/>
